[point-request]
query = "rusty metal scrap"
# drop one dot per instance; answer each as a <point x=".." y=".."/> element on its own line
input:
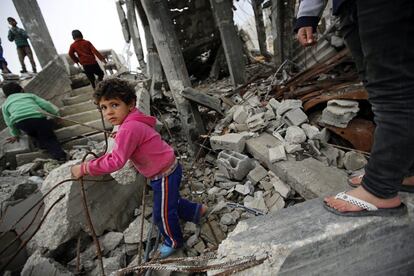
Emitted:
<point x="359" y="132"/>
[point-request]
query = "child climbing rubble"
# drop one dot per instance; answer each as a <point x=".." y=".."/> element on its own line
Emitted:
<point x="137" y="140"/>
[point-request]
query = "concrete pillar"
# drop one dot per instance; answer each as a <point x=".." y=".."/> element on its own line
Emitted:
<point x="277" y="14"/>
<point x="232" y="45"/>
<point x="123" y="20"/>
<point x="154" y="67"/>
<point x="172" y="61"/>
<point x="134" y="33"/>
<point x="260" y="28"/>
<point x="35" y="26"/>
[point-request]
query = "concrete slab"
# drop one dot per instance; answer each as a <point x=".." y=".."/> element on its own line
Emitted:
<point x="82" y="117"/>
<point x="307" y="240"/>
<point x="77" y="130"/>
<point x="259" y="147"/>
<point x="98" y="137"/>
<point x="77" y="108"/>
<point x="24" y="158"/>
<point x="81" y="91"/>
<point x="77" y="99"/>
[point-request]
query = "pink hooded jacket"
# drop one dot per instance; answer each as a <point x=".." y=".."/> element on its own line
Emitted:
<point x="138" y="141"/>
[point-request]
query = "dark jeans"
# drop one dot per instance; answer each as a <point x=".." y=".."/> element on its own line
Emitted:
<point x="91" y="70"/>
<point x="386" y="35"/>
<point x="41" y="130"/>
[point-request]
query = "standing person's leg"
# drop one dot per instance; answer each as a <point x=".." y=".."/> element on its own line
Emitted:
<point x="21" y="54"/>
<point x="89" y="71"/>
<point x="29" y="53"/>
<point x="386" y="30"/>
<point x="98" y="71"/>
<point x="165" y="208"/>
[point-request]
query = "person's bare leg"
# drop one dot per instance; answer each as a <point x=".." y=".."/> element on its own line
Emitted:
<point x="357" y="180"/>
<point x="362" y="194"/>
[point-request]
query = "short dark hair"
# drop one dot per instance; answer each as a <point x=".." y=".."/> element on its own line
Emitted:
<point x="113" y="88"/>
<point x="11" y="88"/>
<point x="76" y="34"/>
<point x="11" y="19"/>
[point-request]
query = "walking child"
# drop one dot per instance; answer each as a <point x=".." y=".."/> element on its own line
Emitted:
<point x="21" y="112"/>
<point x="82" y="51"/>
<point x="19" y="36"/>
<point x="3" y="63"/>
<point x="138" y="141"/>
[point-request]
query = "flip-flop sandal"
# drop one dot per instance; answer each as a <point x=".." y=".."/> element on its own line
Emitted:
<point x="369" y="209"/>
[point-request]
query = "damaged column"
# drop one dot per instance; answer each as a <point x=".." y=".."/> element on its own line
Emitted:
<point x="134" y="33"/>
<point x="172" y="61"/>
<point x="223" y="15"/>
<point x="260" y="28"/>
<point x="35" y="26"/>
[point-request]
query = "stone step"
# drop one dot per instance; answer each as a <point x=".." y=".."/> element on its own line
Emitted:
<point x="77" y="130"/>
<point x="82" y="117"/>
<point x="309" y="177"/>
<point x="24" y="158"/>
<point x="97" y="137"/>
<point x="305" y="239"/>
<point x="77" y="108"/>
<point x="77" y="99"/>
<point x="80" y="91"/>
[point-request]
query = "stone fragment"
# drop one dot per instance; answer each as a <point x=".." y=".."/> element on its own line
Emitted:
<point x="295" y="135"/>
<point x="354" y="161"/>
<point x="240" y="114"/>
<point x="257" y="202"/>
<point x="310" y="131"/>
<point x="275" y="202"/>
<point x="331" y="153"/>
<point x="190" y="227"/>
<point x="287" y="105"/>
<point x="274" y="104"/>
<point x="200" y="247"/>
<point x="295" y="117"/>
<point x="277" y="154"/>
<point x="292" y="148"/>
<point x="110" y="240"/>
<point x="270" y="115"/>
<point x="228" y="219"/>
<point x="257" y="174"/>
<point x="238" y="127"/>
<point x="206" y="233"/>
<point x="191" y="241"/>
<point x="234" y="165"/>
<point x="339" y="112"/>
<point x="267" y="186"/>
<point x="280" y="187"/>
<point x="256" y="122"/>
<point x="242" y="189"/>
<point x="37" y="264"/>
<point x="323" y="136"/>
<point x="213" y="190"/>
<point x="231" y="141"/>
<point x="110" y="265"/>
<point x="133" y="233"/>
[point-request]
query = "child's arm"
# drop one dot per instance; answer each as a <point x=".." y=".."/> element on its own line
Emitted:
<point x="46" y="105"/>
<point x="72" y="54"/>
<point x="6" y="116"/>
<point x="110" y="162"/>
<point x="11" y="36"/>
<point x="96" y="53"/>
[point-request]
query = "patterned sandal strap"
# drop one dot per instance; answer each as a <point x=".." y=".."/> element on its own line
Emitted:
<point x="356" y="201"/>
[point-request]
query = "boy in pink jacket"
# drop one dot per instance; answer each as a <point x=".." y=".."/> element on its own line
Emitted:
<point x="136" y="140"/>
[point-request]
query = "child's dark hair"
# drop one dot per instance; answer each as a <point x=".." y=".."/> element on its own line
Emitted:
<point x="11" y="88"/>
<point x="113" y="88"/>
<point x="76" y="34"/>
<point x="9" y="19"/>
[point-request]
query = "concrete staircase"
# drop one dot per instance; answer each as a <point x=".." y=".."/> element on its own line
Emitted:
<point x="79" y="107"/>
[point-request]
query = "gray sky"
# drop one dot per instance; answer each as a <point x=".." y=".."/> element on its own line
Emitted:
<point x="97" y="19"/>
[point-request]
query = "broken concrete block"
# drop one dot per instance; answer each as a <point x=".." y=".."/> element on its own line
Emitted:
<point x="231" y="141"/>
<point x="238" y="127"/>
<point x="295" y="135"/>
<point x="339" y="112"/>
<point x="292" y="148"/>
<point x="200" y="247"/>
<point x="242" y="189"/>
<point x="110" y="240"/>
<point x="259" y="147"/>
<point x="37" y="264"/>
<point x="323" y="136"/>
<point x="113" y="206"/>
<point x="266" y="185"/>
<point x="270" y="115"/>
<point x="287" y="105"/>
<point x="275" y="202"/>
<point x="132" y="233"/>
<point x="214" y="190"/>
<point x="281" y="187"/>
<point x="277" y="154"/>
<point x="310" y="131"/>
<point x="256" y="122"/>
<point x="228" y="219"/>
<point x="240" y="114"/>
<point x="257" y="174"/>
<point x="295" y="117"/>
<point x="234" y="165"/>
<point x="257" y="202"/>
<point x="275" y="104"/>
<point x="331" y="153"/>
<point x="354" y="161"/>
<point x="192" y="240"/>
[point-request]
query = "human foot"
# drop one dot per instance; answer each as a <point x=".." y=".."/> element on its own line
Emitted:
<point x="360" y="193"/>
<point x="356" y="181"/>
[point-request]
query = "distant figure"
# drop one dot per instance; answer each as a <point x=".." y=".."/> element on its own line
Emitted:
<point x="85" y="55"/>
<point x="21" y="112"/>
<point x="19" y="36"/>
<point x="3" y="62"/>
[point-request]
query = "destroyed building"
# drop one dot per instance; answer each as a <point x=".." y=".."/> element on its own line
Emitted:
<point x="262" y="134"/>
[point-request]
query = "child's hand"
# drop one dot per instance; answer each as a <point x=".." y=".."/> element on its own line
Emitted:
<point x="76" y="171"/>
<point x="12" y="139"/>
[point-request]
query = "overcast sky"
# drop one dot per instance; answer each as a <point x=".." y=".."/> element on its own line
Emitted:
<point x="96" y="19"/>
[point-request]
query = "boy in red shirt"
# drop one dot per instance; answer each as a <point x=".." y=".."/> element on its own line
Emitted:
<point x="85" y="55"/>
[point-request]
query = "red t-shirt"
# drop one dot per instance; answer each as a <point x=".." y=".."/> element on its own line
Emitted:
<point x="85" y="52"/>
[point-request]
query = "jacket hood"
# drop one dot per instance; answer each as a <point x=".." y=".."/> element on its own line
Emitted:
<point x="137" y="115"/>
